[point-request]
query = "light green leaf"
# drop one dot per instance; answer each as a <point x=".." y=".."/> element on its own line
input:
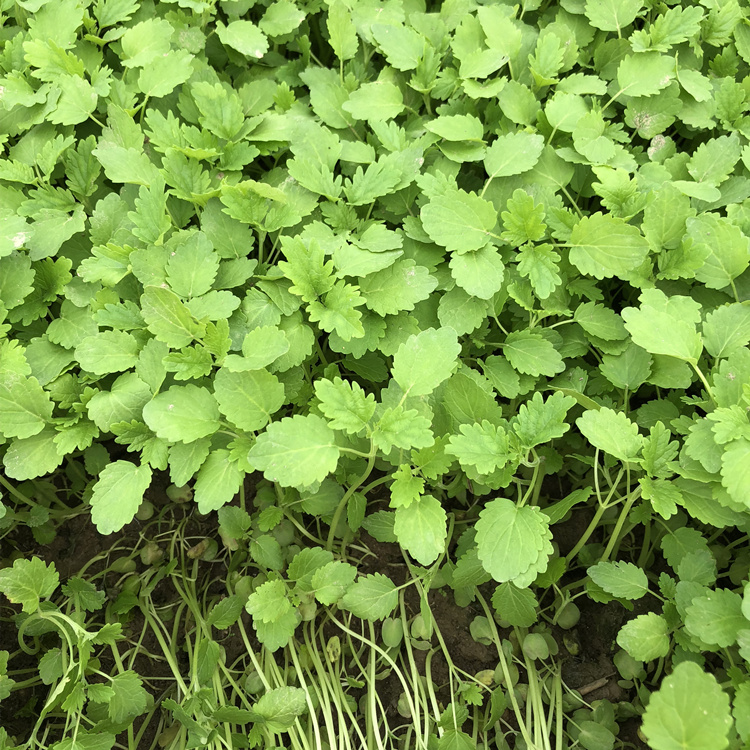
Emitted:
<point x="297" y="451"/>
<point x="479" y="273"/>
<point x="107" y="351"/>
<point x="516" y="606"/>
<point x="342" y="34"/>
<point x="331" y="581"/>
<point x="280" y="707"/>
<point x="373" y="597"/>
<point x="118" y="494"/>
<point x="726" y="330"/>
<point x="24" y="407"/>
<point x="168" y="319"/>
<point x="735" y="470"/>
<point x="621" y="579"/>
<point x="540" y="420"/>
<point x="645" y="637"/>
<point x="248" y="399"/>
<point x="183" y="413"/>
<point x="245" y="37"/>
<point x="377" y="101"/>
<point x="421" y="529"/>
<point x="645" y="74"/>
<point x="459" y="221"/>
<point x="612" y="15"/>
<point x="217" y="482"/>
<point x="510" y="539"/>
<point x="483" y="446"/>
<point x="605" y="246"/>
<point x="531" y="354"/>
<point x="144" y="42"/>
<point x="345" y="404"/>
<point x="28" y="581"/>
<point x="513" y="153"/>
<point x="192" y="267"/>
<point x="690" y="711"/>
<point x="665" y="325"/>
<point x="425" y="360"/>
<point x="612" y="432"/>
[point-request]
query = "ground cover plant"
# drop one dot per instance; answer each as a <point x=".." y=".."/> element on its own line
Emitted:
<point x="371" y="370"/>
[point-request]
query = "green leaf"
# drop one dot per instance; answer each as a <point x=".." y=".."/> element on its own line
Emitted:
<point x="531" y="354"/>
<point x="665" y="325"/>
<point x="183" y="413"/>
<point x="377" y="101"/>
<point x="168" y="319"/>
<point x="421" y="529"/>
<point x="605" y="246"/>
<point x="107" y="351"/>
<point x="248" y="399"/>
<point x="25" y="407"/>
<point x="690" y="711"/>
<point x="28" y="581"/>
<point x="373" y="597"/>
<point x="516" y="606"/>
<point x="331" y="581"/>
<point x="538" y="263"/>
<point x="483" y="446"/>
<point x="611" y="432"/>
<point x="612" y="15"/>
<point x="425" y="360"/>
<point x="346" y="405"/>
<point x="480" y="273"/>
<point x="341" y="32"/>
<point x="280" y="707"/>
<point x="513" y="153"/>
<point x="540" y="421"/>
<point x="118" y="494"/>
<point x="130" y="698"/>
<point x="645" y="637"/>
<point x="510" y="539"/>
<point x="245" y="37"/>
<point x="297" y="451"/>
<point x="225" y="613"/>
<point x="459" y="221"/>
<point x="621" y="579"/>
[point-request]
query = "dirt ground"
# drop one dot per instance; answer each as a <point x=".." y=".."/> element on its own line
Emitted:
<point x="591" y="669"/>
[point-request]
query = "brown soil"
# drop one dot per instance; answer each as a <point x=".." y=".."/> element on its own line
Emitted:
<point x="591" y="670"/>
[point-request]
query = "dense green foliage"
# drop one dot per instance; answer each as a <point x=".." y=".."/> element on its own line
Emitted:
<point x="448" y="273"/>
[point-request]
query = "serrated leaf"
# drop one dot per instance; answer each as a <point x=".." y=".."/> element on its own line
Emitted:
<point x="605" y="246"/>
<point x="183" y="413"/>
<point x="345" y="404"/>
<point x="611" y="432"/>
<point x="425" y="360"/>
<point x="510" y="539"/>
<point x="459" y="221"/>
<point x="621" y="579"/>
<point x="28" y="581"/>
<point x="118" y="494"/>
<point x="296" y="451"/>
<point x="690" y="711"/>
<point x="373" y="597"/>
<point x="421" y="529"/>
